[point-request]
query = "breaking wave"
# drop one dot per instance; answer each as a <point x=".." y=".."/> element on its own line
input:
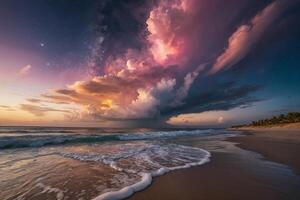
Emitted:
<point x="140" y="161"/>
<point x="36" y="140"/>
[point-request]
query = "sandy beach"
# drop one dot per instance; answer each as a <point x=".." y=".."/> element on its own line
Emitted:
<point x="280" y="146"/>
<point x="261" y="165"/>
<point x="243" y="165"/>
<point x="149" y="100"/>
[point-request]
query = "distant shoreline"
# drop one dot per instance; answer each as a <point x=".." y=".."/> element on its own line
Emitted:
<point x="288" y="126"/>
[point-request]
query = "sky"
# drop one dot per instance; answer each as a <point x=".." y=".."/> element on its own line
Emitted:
<point x="148" y="63"/>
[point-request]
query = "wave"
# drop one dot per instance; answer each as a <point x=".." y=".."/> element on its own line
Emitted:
<point x="142" y="159"/>
<point x="31" y="140"/>
<point x="163" y="134"/>
<point x="39" y="131"/>
<point x="146" y="180"/>
<point x="40" y="141"/>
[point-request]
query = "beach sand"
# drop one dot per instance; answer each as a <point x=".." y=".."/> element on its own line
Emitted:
<point x="234" y="173"/>
<point x="278" y="146"/>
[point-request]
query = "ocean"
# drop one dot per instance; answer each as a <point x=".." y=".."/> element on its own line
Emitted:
<point x="93" y="163"/>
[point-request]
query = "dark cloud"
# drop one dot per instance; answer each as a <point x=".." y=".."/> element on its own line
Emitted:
<point x="117" y="26"/>
<point x="156" y="59"/>
<point x="223" y="97"/>
<point x="154" y="81"/>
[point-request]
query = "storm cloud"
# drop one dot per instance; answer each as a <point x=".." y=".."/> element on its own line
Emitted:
<point x="155" y="61"/>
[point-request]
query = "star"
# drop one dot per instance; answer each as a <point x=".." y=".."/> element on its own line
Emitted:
<point x="42" y="44"/>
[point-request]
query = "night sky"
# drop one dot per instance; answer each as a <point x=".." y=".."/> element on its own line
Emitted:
<point x="148" y="63"/>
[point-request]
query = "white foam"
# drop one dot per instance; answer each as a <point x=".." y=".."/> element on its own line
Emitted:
<point x="129" y="190"/>
<point x="146" y="179"/>
<point x="163" y="134"/>
<point x="139" y="159"/>
<point x="49" y="189"/>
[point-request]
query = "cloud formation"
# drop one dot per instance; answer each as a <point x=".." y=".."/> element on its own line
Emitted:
<point x="162" y="75"/>
<point x="138" y="83"/>
<point x="247" y="35"/>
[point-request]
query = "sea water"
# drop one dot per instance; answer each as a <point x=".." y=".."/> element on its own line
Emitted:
<point x="82" y="163"/>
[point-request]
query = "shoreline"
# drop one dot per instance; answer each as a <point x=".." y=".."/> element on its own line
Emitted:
<point x="256" y="168"/>
<point x="281" y="146"/>
<point x="147" y="179"/>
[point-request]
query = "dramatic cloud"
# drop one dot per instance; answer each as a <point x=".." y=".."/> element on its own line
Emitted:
<point x="247" y="35"/>
<point x="158" y="69"/>
<point x="141" y="83"/>
<point x="138" y="83"/>
<point x="114" y="98"/>
<point x="165" y="45"/>
<point x="188" y="81"/>
<point x="221" y="96"/>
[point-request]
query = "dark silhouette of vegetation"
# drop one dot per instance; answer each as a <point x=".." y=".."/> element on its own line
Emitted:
<point x="292" y="117"/>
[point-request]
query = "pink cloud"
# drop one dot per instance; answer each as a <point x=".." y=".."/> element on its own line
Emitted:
<point x="138" y="83"/>
<point x="166" y="23"/>
<point x="247" y="35"/>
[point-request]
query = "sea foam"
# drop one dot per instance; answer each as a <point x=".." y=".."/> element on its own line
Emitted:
<point x="145" y="159"/>
<point x="146" y="179"/>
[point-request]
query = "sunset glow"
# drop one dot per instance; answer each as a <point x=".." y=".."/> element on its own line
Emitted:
<point x="172" y="65"/>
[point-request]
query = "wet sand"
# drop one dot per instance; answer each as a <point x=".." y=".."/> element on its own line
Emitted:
<point x="57" y="179"/>
<point x="234" y="173"/>
<point x="278" y="146"/>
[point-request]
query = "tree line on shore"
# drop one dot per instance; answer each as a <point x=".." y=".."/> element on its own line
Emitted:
<point x="292" y="117"/>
